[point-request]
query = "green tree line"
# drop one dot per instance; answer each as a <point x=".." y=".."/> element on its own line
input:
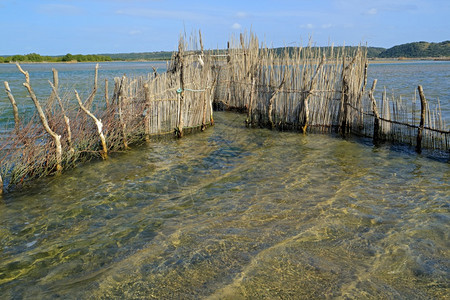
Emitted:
<point x="34" y="57"/>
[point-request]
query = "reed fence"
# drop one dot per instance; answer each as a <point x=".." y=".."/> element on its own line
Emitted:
<point x="305" y="89"/>
<point x="312" y="90"/>
<point x="67" y="130"/>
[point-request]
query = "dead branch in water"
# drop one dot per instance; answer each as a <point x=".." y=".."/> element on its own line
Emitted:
<point x="99" y="125"/>
<point x="14" y="105"/>
<point x="56" y="137"/>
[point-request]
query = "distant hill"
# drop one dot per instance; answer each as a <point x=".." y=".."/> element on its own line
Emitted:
<point x="372" y="52"/>
<point x="418" y="49"/>
<point x="410" y="50"/>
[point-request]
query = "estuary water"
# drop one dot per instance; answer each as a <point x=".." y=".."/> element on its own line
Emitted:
<point x="233" y="213"/>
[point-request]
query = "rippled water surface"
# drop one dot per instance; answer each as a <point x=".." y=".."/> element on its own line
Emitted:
<point x="233" y="213"/>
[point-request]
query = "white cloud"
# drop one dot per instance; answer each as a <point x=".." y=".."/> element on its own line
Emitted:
<point x="307" y="26"/>
<point x="326" y="26"/>
<point x="236" y="26"/>
<point x="372" y="11"/>
<point x="165" y="14"/>
<point x="60" y="9"/>
<point x="241" y="14"/>
<point x="134" y="32"/>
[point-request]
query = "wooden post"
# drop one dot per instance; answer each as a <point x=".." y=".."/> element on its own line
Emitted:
<point x="345" y="94"/>
<point x="344" y="99"/>
<point x="14" y="105"/>
<point x="249" y="120"/>
<point x="147" y="112"/>
<point x="51" y="99"/>
<point x="106" y="93"/>
<point x="121" y="118"/>
<point x="376" y="121"/>
<point x="56" y="138"/>
<point x="90" y="100"/>
<point x="423" y="107"/>
<point x="181" y="90"/>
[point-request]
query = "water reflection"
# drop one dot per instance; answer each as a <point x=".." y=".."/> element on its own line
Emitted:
<point x="233" y="213"/>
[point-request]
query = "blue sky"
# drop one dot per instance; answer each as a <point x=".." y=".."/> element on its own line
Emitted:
<point x="51" y="27"/>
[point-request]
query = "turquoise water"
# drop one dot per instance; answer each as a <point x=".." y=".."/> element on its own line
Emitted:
<point x="233" y="213"/>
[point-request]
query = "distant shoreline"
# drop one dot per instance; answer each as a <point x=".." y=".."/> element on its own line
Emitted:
<point x="405" y="60"/>
<point x="81" y="62"/>
<point x="371" y="60"/>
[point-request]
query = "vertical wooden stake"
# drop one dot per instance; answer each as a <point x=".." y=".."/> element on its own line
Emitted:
<point x="423" y="107"/>
<point x="249" y="120"/>
<point x="121" y="118"/>
<point x="376" y="121"/>
<point x="51" y="99"/>
<point x="181" y="102"/>
<point x="90" y="100"/>
<point x="147" y="112"/>
<point x="106" y="93"/>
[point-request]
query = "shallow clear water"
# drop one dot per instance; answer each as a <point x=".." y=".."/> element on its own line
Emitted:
<point x="233" y="213"/>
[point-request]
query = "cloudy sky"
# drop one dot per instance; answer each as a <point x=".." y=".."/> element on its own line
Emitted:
<point x="56" y="27"/>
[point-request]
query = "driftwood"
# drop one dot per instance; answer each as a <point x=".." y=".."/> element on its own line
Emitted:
<point x="99" y="125"/>
<point x="56" y="137"/>
<point x="66" y="119"/>
<point x="13" y="103"/>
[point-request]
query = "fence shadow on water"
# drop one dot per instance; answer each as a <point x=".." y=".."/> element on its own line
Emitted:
<point x="304" y="89"/>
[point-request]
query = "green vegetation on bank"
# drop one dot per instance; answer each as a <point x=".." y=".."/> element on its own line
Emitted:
<point x="410" y="50"/>
<point x="34" y="57"/>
